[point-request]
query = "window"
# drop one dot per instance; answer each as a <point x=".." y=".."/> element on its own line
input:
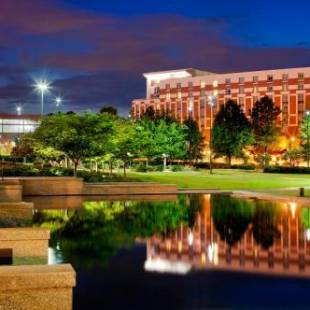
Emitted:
<point x="202" y="93"/>
<point x="255" y="99"/>
<point x="167" y="86"/>
<point x="215" y="92"/>
<point x="300" y="76"/>
<point x="269" y="78"/>
<point x="227" y="81"/>
<point x="284" y="110"/>
<point x="190" y="94"/>
<point x="255" y="78"/>
<point x="300" y="103"/>
<point x="215" y="83"/>
<point x="190" y="84"/>
<point x="255" y="89"/>
<point x="269" y="88"/>
<point x="156" y="92"/>
<point x="179" y="94"/>
<point x="285" y="77"/>
<point x="202" y="84"/>
<point x="227" y="91"/>
<point x="168" y="96"/>
<point x="241" y="80"/>
<point x="179" y="85"/>
<point x="241" y="90"/>
<point x="285" y="87"/>
<point x="300" y="85"/>
<point x="241" y="101"/>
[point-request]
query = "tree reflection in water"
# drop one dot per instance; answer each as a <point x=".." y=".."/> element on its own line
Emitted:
<point x="92" y="235"/>
<point x="231" y="217"/>
<point x="265" y="229"/>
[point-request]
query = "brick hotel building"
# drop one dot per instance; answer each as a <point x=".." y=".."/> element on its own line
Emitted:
<point x="187" y="91"/>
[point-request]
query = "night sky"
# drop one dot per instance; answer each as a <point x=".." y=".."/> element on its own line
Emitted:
<point x="95" y="51"/>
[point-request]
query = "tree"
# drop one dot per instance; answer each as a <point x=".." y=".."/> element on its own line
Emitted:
<point x="77" y="136"/>
<point x="109" y="110"/>
<point x="194" y="140"/>
<point x="264" y="115"/>
<point x="292" y="156"/>
<point x="305" y="137"/>
<point x="231" y="131"/>
<point x="124" y="146"/>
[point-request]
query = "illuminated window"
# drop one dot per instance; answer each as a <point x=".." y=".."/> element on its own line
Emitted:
<point x="227" y="81"/>
<point x="285" y="87"/>
<point x="241" y="80"/>
<point x="215" y="83"/>
<point x="255" y="78"/>
<point x="202" y="84"/>
<point x="285" y="77"/>
<point x="255" y="89"/>
<point x="300" y="76"/>
<point x="300" y="85"/>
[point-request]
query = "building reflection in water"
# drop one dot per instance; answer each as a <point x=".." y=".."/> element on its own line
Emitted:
<point x="237" y="235"/>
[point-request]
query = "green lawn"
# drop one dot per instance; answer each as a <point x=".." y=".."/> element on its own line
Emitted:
<point x="229" y="179"/>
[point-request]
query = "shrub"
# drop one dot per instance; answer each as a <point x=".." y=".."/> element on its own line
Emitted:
<point x="286" y="169"/>
<point x="141" y="167"/>
<point x="176" y="168"/>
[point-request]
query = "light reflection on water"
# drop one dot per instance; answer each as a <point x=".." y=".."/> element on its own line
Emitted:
<point x="190" y="232"/>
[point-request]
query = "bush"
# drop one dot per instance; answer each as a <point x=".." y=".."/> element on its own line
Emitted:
<point x="176" y="168"/>
<point x="286" y="169"/>
<point x="223" y="166"/>
<point x="141" y="167"/>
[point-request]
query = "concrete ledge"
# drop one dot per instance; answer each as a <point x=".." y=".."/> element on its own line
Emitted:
<point x="16" y="210"/>
<point x="51" y="186"/>
<point x="25" y="242"/>
<point x="128" y="188"/>
<point x="10" y="192"/>
<point x="37" y="287"/>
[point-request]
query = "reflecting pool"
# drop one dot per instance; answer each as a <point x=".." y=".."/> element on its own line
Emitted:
<point x="185" y="252"/>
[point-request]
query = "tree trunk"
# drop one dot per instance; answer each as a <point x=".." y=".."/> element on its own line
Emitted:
<point x="76" y="163"/>
<point x="229" y="161"/>
<point x="124" y="168"/>
<point x="111" y="167"/>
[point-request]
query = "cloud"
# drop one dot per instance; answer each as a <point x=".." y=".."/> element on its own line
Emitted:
<point x="102" y="57"/>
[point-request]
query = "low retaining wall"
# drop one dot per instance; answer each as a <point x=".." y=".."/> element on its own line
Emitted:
<point x="10" y="192"/>
<point x="128" y="188"/>
<point x="36" y="287"/>
<point x="16" y="211"/>
<point x="25" y="242"/>
<point x="50" y="186"/>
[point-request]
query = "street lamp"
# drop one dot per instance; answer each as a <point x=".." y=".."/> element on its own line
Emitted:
<point x="42" y="86"/>
<point x="211" y="102"/>
<point x="58" y="101"/>
<point x="19" y="110"/>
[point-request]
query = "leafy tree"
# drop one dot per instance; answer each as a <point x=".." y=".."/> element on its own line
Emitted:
<point x="123" y="142"/>
<point x="163" y="135"/>
<point x="231" y="131"/>
<point x="109" y="110"/>
<point x="264" y="115"/>
<point x="292" y="156"/>
<point x="305" y="137"/>
<point x="77" y="136"/>
<point x="194" y="140"/>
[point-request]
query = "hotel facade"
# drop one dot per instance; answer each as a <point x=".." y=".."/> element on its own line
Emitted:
<point x="189" y="92"/>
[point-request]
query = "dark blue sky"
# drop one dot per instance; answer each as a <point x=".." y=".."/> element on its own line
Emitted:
<point x="94" y="52"/>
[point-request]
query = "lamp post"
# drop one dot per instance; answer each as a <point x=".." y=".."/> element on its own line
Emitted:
<point x="42" y="86"/>
<point x="19" y="110"/>
<point x="211" y="101"/>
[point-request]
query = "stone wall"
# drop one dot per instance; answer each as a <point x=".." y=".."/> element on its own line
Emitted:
<point x="36" y="287"/>
<point x="128" y="189"/>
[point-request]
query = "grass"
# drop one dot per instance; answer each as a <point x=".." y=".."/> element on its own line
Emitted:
<point x="230" y="180"/>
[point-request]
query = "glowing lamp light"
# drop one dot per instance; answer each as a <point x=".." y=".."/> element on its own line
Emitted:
<point x="19" y="110"/>
<point x="190" y="238"/>
<point x="293" y="206"/>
